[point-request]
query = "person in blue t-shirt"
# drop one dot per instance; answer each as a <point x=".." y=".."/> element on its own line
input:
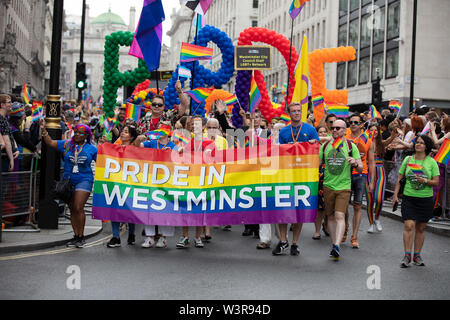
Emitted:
<point x="163" y="143"/>
<point x="78" y="155"/>
<point x="297" y="131"/>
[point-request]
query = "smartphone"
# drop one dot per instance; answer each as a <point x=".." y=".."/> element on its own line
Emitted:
<point x="395" y="207"/>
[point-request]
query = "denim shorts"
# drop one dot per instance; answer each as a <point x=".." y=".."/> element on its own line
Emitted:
<point x="358" y="187"/>
<point x="84" y="186"/>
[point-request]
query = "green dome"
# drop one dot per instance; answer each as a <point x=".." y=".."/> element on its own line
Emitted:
<point x="108" y="17"/>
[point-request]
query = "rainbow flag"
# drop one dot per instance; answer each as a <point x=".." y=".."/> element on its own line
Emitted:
<point x="191" y="52"/>
<point x="231" y="100"/>
<point x="233" y="188"/>
<point x="26" y="94"/>
<point x="443" y="155"/>
<point x="133" y="112"/>
<point x="341" y="111"/>
<point x="296" y="7"/>
<point x="285" y="117"/>
<point x="374" y="112"/>
<point x="416" y="169"/>
<point x="366" y="136"/>
<point x="426" y="129"/>
<point x="199" y="94"/>
<point x="255" y="96"/>
<point x="317" y="100"/>
<point x="395" y="105"/>
<point x="184" y="72"/>
<point x="154" y="135"/>
<point x="337" y="143"/>
<point x="108" y="123"/>
<point x="164" y="130"/>
<point x="37" y="110"/>
<point x="180" y="137"/>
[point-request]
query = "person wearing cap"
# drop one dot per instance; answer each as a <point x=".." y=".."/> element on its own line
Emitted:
<point x="78" y="155"/>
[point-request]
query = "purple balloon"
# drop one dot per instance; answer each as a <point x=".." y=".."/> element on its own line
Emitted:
<point x="242" y="90"/>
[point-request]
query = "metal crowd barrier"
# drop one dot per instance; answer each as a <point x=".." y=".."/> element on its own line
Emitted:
<point x="19" y="194"/>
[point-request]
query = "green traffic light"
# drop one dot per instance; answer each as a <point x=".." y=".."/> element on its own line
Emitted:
<point x="81" y="84"/>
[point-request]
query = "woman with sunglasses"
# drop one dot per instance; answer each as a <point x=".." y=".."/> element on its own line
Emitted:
<point x="78" y="156"/>
<point x="422" y="174"/>
<point x="127" y="137"/>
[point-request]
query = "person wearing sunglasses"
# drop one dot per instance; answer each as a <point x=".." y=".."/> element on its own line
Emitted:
<point x="340" y="157"/>
<point x="296" y="132"/>
<point x="78" y="156"/>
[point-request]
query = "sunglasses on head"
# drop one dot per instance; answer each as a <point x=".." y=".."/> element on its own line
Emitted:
<point x="157" y="105"/>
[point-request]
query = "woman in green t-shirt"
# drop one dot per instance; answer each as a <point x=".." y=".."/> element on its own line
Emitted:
<point x="422" y="174"/>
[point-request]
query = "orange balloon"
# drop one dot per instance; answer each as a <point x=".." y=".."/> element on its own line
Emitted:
<point x="217" y="94"/>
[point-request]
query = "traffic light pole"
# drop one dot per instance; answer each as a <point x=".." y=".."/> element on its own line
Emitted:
<point x="83" y="24"/>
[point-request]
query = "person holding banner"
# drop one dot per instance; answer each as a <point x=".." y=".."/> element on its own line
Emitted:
<point x="127" y="137"/>
<point x="78" y="156"/>
<point x="296" y="132"/>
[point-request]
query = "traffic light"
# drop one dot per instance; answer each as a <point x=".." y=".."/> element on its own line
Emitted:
<point x="81" y="76"/>
<point x="377" y="94"/>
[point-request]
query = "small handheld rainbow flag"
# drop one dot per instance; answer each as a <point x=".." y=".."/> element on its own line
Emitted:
<point x="191" y="52"/>
<point x="164" y="130"/>
<point x="199" y="94"/>
<point x="374" y="112"/>
<point x="184" y="72"/>
<point x="231" y="100"/>
<point x="108" y="124"/>
<point x="337" y="143"/>
<point x="180" y="137"/>
<point x="317" y="100"/>
<point x="426" y="129"/>
<point x="255" y="96"/>
<point x="37" y="111"/>
<point x="339" y="110"/>
<point x="296" y="7"/>
<point x="416" y="169"/>
<point x="133" y="112"/>
<point x="285" y="117"/>
<point x="443" y="155"/>
<point x="395" y="105"/>
<point x="26" y="95"/>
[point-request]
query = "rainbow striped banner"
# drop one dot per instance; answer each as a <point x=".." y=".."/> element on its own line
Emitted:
<point x="26" y="94"/>
<point x="133" y="112"/>
<point x="395" y="105"/>
<point x="443" y="155"/>
<point x="191" y="52"/>
<point x="255" y="96"/>
<point x="239" y="186"/>
<point x="199" y="94"/>
<point x="339" y="110"/>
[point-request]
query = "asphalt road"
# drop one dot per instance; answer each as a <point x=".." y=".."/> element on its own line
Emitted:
<point x="231" y="268"/>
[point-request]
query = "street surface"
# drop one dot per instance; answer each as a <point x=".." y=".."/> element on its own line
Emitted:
<point x="230" y="267"/>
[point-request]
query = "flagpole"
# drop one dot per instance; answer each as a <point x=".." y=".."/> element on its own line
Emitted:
<point x="289" y="66"/>
<point x="193" y="64"/>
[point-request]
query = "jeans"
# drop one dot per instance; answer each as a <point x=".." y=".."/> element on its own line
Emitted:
<point x="116" y="229"/>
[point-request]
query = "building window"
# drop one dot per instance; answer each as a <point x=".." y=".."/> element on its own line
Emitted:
<point x="377" y="66"/>
<point x="365" y="31"/>
<point x="354" y="4"/>
<point x="364" y="70"/>
<point x="353" y="34"/>
<point x="378" y="25"/>
<point x="255" y="4"/>
<point x="393" y="24"/>
<point x="342" y="36"/>
<point x="343" y="7"/>
<point x="254" y="23"/>
<point x="392" y="63"/>
<point x="351" y="74"/>
<point x="340" y="76"/>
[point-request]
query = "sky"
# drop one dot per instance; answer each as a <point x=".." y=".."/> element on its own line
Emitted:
<point x="122" y="8"/>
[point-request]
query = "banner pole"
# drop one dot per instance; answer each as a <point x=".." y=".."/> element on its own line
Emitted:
<point x="289" y="66"/>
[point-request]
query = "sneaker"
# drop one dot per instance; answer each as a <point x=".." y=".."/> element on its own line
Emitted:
<point x="280" y="248"/>
<point x="183" y="242"/>
<point x="161" y="243"/>
<point x="226" y="228"/>
<point x="295" y="251"/>
<point x="371" y="229"/>
<point x="418" y="261"/>
<point x="131" y="239"/>
<point x="355" y="244"/>
<point x="405" y="261"/>
<point x="80" y="242"/>
<point x="148" y="242"/>
<point x="335" y="253"/>
<point x="71" y="243"/>
<point x="378" y="225"/>
<point x="198" y="243"/>
<point x="113" y="243"/>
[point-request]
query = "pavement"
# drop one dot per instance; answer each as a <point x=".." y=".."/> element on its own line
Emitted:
<point x="32" y="239"/>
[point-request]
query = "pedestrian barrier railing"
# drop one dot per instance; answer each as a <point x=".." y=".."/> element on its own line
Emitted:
<point x="18" y="194"/>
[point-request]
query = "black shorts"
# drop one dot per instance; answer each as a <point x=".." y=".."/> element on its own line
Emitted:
<point x="417" y="209"/>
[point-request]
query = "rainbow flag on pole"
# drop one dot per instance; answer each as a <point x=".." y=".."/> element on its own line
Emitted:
<point x="37" y="110"/>
<point x="178" y="136"/>
<point x="231" y="100"/>
<point x="191" y="52"/>
<point x="374" y="112"/>
<point x="255" y="96"/>
<point x="133" y="112"/>
<point x="161" y="187"/>
<point x="337" y="143"/>
<point x="285" y="117"/>
<point x="199" y="94"/>
<point x="26" y="94"/>
<point x="296" y="7"/>
<point x="395" y="105"/>
<point x="341" y="111"/>
<point x="443" y="155"/>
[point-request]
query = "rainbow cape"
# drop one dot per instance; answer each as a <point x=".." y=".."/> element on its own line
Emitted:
<point x="233" y="187"/>
<point x="443" y="155"/>
<point x="191" y="52"/>
<point x="255" y="96"/>
<point x="199" y="94"/>
<point x="341" y="111"/>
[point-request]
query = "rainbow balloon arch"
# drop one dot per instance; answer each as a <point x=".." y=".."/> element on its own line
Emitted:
<point x="202" y="77"/>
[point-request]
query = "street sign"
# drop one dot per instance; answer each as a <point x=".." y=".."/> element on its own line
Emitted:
<point x="253" y="58"/>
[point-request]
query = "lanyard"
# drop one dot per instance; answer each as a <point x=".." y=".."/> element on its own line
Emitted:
<point x="298" y="133"/>
<point x="163" y="146"/>
<point x="76" y="153"/>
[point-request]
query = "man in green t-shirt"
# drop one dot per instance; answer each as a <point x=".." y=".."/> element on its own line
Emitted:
<point x="339" y="159"/>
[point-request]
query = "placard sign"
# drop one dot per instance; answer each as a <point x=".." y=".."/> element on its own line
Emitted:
<point x="253" y="58"/>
